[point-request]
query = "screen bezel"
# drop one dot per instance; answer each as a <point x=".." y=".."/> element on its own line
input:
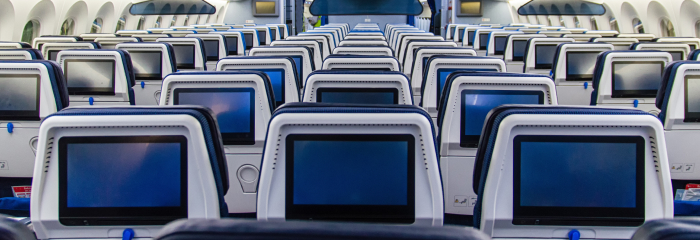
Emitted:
<point x="247" y="138"/>
<point x="24" y="115"/>
<point x="512" y="53"/>
<point x="151" y="76"/>
<point x="320" y="91"/>
<point x="90" y="91"/>
<point x="110" y="216"/>
<point x="634" y="93"/>
<point x="361" y="213"/>
<point x="185" y="65"/>
<point x="577" y="77"/>
<point x="472" y="141"/>
<point x="580" y="216"/>
<point x="689" y="116"/>
<point x="543" y="66"/>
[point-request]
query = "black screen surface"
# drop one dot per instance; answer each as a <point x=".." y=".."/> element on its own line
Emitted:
<point x="318" y="168"/>
<point x="692" y="99"/>
<point x="89" y="77"/>
<point x="677" y="56"/>
<point x="519" y="49"/>
<point x="53" y="55"/>
<point x="147" y="64"/>
<point x="483" y="41"/>
<point x="470" y="37"/>
<point x="149" y="173"/>
<point x="607" y="172"/>
<point x="580" y="65"/>
<point x="636" y="79"/>
<point x="19" y="97"/>
<point x="262" y="37"/>
<point x="211" y="48"/>
<point x="184" y="56"/>
<point x="544" y="56"/>
<point x="500" y="45"/>
<point x="248" y="40"/>
<point x="232" y="45"/>
<point x="358" y="95"/>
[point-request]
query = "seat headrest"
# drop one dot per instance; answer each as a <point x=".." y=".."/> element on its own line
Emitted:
<point x="126" y="61"/>
<point x="33" y="53"/>
<point x="241" y="229"/>
<point x="204" y="116"/>
<point x="11" y="229"/>
<point x="667" y="81"/>
<point x="667" y="229"/>
<point x="58" y="83"/>
<point x="266" y="79"/>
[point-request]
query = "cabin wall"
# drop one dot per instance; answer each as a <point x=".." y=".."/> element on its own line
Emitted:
<point x="50" y="14"/>
<point x="382" y="20"/>
<point x="240" y="11"/>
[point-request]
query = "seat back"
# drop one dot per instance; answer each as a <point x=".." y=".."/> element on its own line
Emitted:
<point x="175" y="153"/>
<point x="514" y="54"/>
<point x="468" y="35"/>
<point x="274" y="32"/>
<point x="360" y="37"/>
<point x="51" y="49"/>
<point x="363" y="42"/>
<point x="93" y="36"/>
<point x="467" y="99"/>
<point x="30" y="90"/>
<point x="301" y="55"/>
<point x="328" y="35"/>
<point x="526" y="149"/>
<point x="572" y="70"/>
<point x="236" y="229"/>
<point x="642" y="37"/>
<point x="553" y="33"/>
<point x="481" y="39"/>
<point x="412" y="47"/>
<point x="250" y="36"/>
<point x="98" y="77"/>
<point x="497" y="42"/>
<point x="401" y="33"/>
<point x="189" y="53"/>
<point x="242" y="102"/>
<point x="692" y="41"/>
<point x="312" y="45"/>
<point x="263" y="34"/>
<point x="677" y="101"/>
<point x="280" y="70"/>
<point x="678" y="51"/>
<point x="667" y="229"/>
<point x="151" y="62"/>
<point x="619" y="43"/>
<point x="179" y="33"/>
<point x="539" y="54"/>
<point x="129" y="33"/>
<point x="404" y="39"/>
<point x="604" y="33"/>
<point x="20" y="54"/>
<point x="235" y="42"/>
<point x="111" y="42"/>
<point x="391" y="146"/>
<point x="215" y="47"/>
<point x="420" y="62"/>
<point x="38" y="42"/>
<point x="360" y="62"/>
<point x="582" y="37"/>
<point x="629" y="79"/>
<point x="364" y="50"/>
<point x="14" y="45"/>
<point x="358" y="87"/>
<point x="323" y="42"/>
<point x="440" y="67"/>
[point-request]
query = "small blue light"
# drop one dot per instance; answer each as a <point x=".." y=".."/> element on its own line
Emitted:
<point x="143" y="84"/>
<point x="574" y="235"/>
<point x="585" y="85"/>
<point x="128" y="234"/>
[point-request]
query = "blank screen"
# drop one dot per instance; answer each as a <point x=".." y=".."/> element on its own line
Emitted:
<point x="147" y="65"/>
<point x="461" y="34"/>
<point x="519" y="49"/>
<point x="500" y="45"/>
<point x="232" y="45"/>
<point x="470" y="38"/>
<point x="108" y="46"/>
<point x="19" y="95"/>
<point x="273" y="34"/>
<point x="483" y="41"/>
<point x="184" y="56"/>
<point x="358" y="95"/>
<point x="636" y="79"/>
<point x="578" y="174"/>
<point x="350" y="172"/>
<point x="86" y="77"/>
<point x="676" y="56"/>
<point x="53" y="54"/>
<point x="622" y="47"/>
<point x="476" y="104"/>
<point x="248" y="40"/>
<point x="232" y="107"/>
<point x="544" y="56"/>
<point x="211" y="48"/>
<point x="123" y="174"/>
<point x="692" y="99"/>
<point x="262" y="37"/>
<point x="277" y="81"/>
<point x="580" y="65"/>
<point x="443" y="73"/>
<point x="265" y="7"/>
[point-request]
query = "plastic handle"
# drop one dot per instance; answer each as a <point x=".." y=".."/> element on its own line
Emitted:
<point x="10" y="127"/>
<point x="585" y="85"/>
<point x="574" y="235"/>
<point x="128" y="234"/>
<point x="143" y="84"/>
<point x="636" y="103"/>
<point x="91" y="100"/>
